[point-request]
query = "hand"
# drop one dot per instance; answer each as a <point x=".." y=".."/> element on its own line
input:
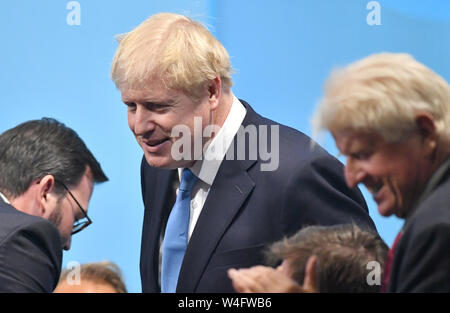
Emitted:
<point x="263" y="279"/>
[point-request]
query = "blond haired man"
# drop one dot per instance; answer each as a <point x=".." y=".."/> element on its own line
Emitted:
<point x="390" y="116"/>
<point x="243" y="180"/>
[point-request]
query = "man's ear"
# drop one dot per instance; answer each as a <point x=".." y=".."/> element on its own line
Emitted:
<point x="427" y="130"/>
<point x="311" y="282"/>
<point x="46" y="192"/>
<point x="214" y="92"/>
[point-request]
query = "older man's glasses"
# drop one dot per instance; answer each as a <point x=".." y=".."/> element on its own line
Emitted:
<point x="83" y="222"/>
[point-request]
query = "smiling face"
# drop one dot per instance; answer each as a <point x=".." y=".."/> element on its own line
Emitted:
<point x="152" y="114"/>
<point x="394" y="173"/>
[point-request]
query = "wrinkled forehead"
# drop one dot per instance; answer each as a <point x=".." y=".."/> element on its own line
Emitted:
<point x="154" y="90"/>
<point x="349" y="141"/>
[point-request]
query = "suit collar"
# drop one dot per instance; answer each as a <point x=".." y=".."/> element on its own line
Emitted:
<point x="231" y="188"/>
<point x="440" y="176"/>
<point x="434" y="180"/>
<point x="251" y="117"/>
<point x="206" y="169"/>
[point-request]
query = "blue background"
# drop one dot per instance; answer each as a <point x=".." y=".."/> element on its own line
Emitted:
<point x="282" y="52"/>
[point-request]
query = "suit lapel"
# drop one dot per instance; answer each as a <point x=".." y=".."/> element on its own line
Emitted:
<point x="229" y="191"/>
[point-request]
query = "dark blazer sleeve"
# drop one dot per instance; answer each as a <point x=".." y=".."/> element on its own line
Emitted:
<point x="143" y="188"/>
<point x="317" y="194"/>
<point x="30" y="258"/>
<point x="423" y="261"/>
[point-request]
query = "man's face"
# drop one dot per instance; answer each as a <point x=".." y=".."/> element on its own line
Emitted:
<point x="152" y="114"/>
<point x="394" y="173"/>
<point x="64" y="211"/>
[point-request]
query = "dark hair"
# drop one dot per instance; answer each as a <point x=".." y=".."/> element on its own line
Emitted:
<point x="343" y="252"/>
<point x="105" y="272"/>
<point x="42" y="147"/>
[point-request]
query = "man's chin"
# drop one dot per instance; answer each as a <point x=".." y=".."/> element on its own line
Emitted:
<point x="166" y="162"/>
<point x="385" y="210"/>
<point x="400" y="213"/>
<point x="158" y="162"/>
<point x="388" y="210"/>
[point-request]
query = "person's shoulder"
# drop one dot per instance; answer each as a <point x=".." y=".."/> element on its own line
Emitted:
<point x="30" y="252"/>
<point x="427" y="232"/>
<point x="289" y="137"/>
<point x="16" y="223"/>
<point x="11" y="217"/>
<point x="297" y="154"/>
<point x="296" y="150"/>
<point x="431" y="218"/>
<point x="432" y="212"/>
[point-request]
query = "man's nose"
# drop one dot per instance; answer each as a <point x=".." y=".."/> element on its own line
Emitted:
<point x="143" y="121"/>
<point x="353" y="174"/>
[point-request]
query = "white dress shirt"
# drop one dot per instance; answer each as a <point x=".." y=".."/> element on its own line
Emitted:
<point x="4" y="198"/>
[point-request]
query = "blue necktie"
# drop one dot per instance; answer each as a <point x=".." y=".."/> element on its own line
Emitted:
<point x="176" y="235"/>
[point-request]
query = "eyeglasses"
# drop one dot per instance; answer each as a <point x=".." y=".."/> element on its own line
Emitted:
<point x="82" y="223"/>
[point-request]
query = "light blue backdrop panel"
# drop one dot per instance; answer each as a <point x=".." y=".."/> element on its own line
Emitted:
<point x="281" y="50"/>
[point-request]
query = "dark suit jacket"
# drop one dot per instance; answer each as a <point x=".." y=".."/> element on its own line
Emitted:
<point x="422" y="256"/>
<point x="30" y="252"/>
<point x="248" y="208"/>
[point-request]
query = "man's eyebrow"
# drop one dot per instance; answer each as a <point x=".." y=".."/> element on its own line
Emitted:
<point x="159" y="102"/>
<point x="167" y="102"/>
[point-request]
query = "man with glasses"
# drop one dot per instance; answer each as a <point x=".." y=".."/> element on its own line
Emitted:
<point x="47" y="175"/>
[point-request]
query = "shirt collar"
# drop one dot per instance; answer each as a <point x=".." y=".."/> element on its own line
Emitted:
<point x="4" y="198"/>
<point x="206" y="169"/>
